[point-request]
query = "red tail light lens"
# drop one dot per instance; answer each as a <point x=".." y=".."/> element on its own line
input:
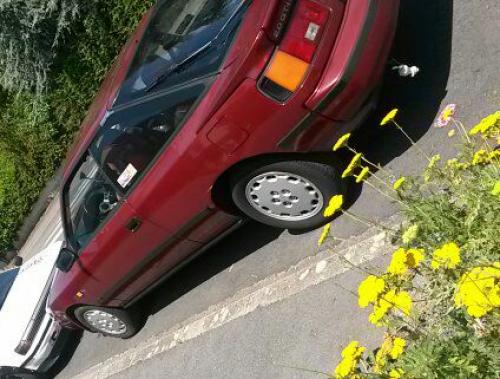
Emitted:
<point x="290" y="63"/>
<point x="304" y="31"/>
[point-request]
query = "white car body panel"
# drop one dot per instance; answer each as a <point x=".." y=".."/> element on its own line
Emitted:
<point x="16" y="313"/>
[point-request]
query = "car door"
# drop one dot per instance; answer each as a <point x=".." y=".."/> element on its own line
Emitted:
<point x="125" y="253"/>
<point x="126" y="148"/>
<point x="114" y="242"/>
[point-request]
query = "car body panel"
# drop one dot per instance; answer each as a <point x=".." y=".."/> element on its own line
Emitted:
<point x="111" y="260"/>
<point x="357" y="61"/>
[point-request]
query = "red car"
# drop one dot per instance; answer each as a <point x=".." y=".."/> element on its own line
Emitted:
<point x="214" y="111"/>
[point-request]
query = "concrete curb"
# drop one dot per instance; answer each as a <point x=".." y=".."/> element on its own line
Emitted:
<point x="38" y="209"/>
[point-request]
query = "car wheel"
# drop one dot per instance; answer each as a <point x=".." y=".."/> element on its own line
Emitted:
<point x="19" y="373"/>
<point x="110" y="322"/>
<point x="288" y="195"/>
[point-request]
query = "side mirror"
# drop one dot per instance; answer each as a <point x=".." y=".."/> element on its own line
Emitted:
<point x="66" y="259"/>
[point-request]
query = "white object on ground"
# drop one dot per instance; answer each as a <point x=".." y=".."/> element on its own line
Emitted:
<point x="405" y="70"/>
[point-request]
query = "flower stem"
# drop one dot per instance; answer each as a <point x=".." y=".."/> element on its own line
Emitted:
<point x="361" y="269"/>
<point x="461" y="128"/>
<point x="411" y="140"/>
<point x="368" y="222"/>
<point x="387" y="195"/>
<point x="378" y="167"/>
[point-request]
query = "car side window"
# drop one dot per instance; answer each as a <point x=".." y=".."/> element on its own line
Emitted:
<point x="89" y="200"/>
<point x="132" y="137"/>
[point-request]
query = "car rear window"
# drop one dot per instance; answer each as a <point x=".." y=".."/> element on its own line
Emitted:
<point x="177" y="30"/>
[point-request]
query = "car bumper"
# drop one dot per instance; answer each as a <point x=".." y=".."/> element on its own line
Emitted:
<point x="357" y="61"/>
<point x="49" y="347"/>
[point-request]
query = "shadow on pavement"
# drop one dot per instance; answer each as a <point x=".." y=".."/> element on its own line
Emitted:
<point x="424" y="39"/>
<point x="230" y="250"/>
<point x="70" y="346"/>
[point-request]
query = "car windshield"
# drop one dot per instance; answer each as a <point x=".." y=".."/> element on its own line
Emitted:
<point x="89" y="198"/>
<point x="6" y="281"/>
<point x="170" y="48"/>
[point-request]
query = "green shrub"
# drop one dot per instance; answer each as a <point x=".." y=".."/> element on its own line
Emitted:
<point x="29" y="32"/>
<point x="36" y="128"/>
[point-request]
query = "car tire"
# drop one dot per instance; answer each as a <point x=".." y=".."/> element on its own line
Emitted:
<point x="287" y="195"/>
<point x="122" y="323"/>
<point x="20" y="373"/>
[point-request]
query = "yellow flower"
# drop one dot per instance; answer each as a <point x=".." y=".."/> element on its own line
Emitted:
<point x="352" y="165"/>
<point x="447" y="256"/>
<point x="342" y="141"/>
<point x="400" y="300"/>
<point x="475" y="130"/>
<point x="494" y="155"/>
<point x="496" y="189"/>
<point x="324" y="234"/>
<point x="389" y="117"/>
<point x="370" y="290"/>
<point x="403" y="302"/>
<point x="382" y="353"/>
<point x="398" y="264"/>
<point x="451" y="133"/>
<point x="398" y="347"/>
<point x="345" y="368"/>
<point x="479" y="290"/>
<point x="397" y="185"/>
<point x="362" y="175"/>
<point x="455" y="164"/>
<point x="435" y="159"/>
<point x="403" y="260"/>
<point x="334" y="205"/>
<point x="391" y="347"/>
<point x="480" y="157"/>
<point x="396" y="373"/>
<point x="353" y="350"/>
<point x="379" y="311"/>
<point x="350" y="358"/>
<point x="414" y="257"/>
<point x="410" y="234"/>
<point x="488" y="125"/>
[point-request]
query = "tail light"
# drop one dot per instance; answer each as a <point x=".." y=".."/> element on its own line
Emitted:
<point x="290" y="63"/>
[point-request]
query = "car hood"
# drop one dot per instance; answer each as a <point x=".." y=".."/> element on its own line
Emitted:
<point x="26" y="291"/>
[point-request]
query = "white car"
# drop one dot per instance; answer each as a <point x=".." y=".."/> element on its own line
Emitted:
<point x="30" y="340"/>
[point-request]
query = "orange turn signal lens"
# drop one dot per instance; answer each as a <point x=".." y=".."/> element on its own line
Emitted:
<point x="287" y="71"/>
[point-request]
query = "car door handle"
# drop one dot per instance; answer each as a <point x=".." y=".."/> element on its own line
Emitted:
<point x="134" y="224"/>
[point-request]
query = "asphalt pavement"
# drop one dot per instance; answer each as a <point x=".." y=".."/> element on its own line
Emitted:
<point x="455" y="44"/>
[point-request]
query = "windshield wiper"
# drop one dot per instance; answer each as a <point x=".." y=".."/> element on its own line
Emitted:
<point x="213" y="42"/>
